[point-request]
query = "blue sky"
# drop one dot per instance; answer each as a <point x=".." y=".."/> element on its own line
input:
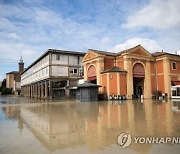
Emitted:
<point x="30" y="27"/>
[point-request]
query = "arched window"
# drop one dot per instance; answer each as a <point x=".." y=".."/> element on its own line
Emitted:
<point x="138" y="70"/>
<point x="92" y="73"/>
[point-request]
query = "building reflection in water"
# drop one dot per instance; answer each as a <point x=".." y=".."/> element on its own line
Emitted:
<point x="97" y="125"/>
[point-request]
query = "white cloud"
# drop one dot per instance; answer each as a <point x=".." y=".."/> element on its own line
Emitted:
<point x="29" y="31"/>
<point x="12" y="36"/>
<point x="178" y="52"/>
<point x="158" y="14"/>
<point x="5" y="23"/>
<point x="47" y="17"/>
<point x="148" y="44"/>
<point x="105" y="40"/>
<point x="13" y="52"/>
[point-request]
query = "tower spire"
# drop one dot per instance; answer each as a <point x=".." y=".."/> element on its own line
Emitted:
<point x="21" y="65"/>
<point x="21" y="60"/>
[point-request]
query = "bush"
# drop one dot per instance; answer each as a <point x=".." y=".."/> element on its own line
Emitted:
<point x="6" y="91"/>
<point x="157" y="93"/>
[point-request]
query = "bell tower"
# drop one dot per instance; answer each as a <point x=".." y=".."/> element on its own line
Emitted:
<point x="21" y="65"/>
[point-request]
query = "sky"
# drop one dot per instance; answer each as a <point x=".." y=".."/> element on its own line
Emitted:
<point x="30" y="27"/>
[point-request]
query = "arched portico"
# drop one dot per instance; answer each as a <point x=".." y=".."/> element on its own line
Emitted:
<point x="92" y="74"/>
<point x="138" y="79"/>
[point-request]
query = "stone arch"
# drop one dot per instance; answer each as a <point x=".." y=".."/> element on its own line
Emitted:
<point x="138" y="79"/>
<point x="91" y="73"/>
<point x="138" y="70"/>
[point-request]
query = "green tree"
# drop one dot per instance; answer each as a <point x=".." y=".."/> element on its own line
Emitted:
<point x="3" y="89"/>
<point x="6" y="91"/>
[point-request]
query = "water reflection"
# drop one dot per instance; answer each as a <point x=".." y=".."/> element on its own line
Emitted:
<point x="60" y="125"/>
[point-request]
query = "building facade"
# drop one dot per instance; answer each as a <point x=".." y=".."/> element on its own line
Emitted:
<point x="13" y="79"/>
<point x="133" y="72"/>
<point x="55" y="74"/>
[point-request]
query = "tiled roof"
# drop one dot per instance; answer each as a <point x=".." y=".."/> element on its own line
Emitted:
<point x="121" y="52"/>
<point x="175" y="83"/>
<point x="112" y="53"/>
<point x="103" y="52"/>
<point x="88" y="84"/>
<point x="13" y="72"/>
<point x="67" y="52"/>
<point x="114" y="69"/>
<point x="156" y="54"/>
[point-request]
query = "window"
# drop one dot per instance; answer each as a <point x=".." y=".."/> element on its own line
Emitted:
<point x="81" y="71"/>
<point x="57" y="57"/>
<point x="73" y="60"/>
<point x="176" y="91"/>
<point x="174" y="65"/>
<point x="73" y="70"/>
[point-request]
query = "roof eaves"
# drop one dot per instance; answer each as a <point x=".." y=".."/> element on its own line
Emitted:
<point x="114" y="69"/>
<point x="13" y="72"/>
<point x="51" y="50"/>
<point x="103" y="52"/>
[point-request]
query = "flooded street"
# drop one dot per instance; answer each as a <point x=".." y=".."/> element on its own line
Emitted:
<point x="39" y="127"/>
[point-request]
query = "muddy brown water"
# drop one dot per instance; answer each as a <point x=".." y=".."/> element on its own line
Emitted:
<point x="34" y="126"/>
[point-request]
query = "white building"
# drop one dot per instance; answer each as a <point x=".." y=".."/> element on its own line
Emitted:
<point x="175" y="91"/>
<point x="54" y="74"/>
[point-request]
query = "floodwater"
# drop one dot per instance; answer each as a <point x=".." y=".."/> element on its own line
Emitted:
<point x="33" y="126"/>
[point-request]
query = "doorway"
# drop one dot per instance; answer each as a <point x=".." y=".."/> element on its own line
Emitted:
<point x="138" y="80"/>
<point x="138" y="85"/>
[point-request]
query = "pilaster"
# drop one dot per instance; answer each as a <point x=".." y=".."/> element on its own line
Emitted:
<point x="167" y="81"/>
<point x="46" y="89"/>
<point x="100" y="67"/>
<point x="118" y="84"/>
<point x="108" y="87"/>
<point x="129" y="76"/>
<point x="85" y="71"/>
<point x="147" y="82"/>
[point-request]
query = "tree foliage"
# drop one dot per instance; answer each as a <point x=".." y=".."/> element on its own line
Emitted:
<point x="3" y="89"/>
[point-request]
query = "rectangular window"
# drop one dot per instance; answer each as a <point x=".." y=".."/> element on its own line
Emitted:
<point x="81" y="71"/>
<point x="75" y="71"/>
<point x="174" y="65"/>
<point x="73" y="60"/>
<point x="57" y="57"/>
<point x="178" y="91"/>
<point x="71" y="71"/>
